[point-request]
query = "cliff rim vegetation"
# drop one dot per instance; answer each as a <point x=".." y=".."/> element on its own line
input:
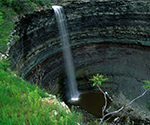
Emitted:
<point x="20" y="101"/>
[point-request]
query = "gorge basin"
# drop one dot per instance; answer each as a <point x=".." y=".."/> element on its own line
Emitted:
<point x="106" y="37"/>
<point x="92" y="102"/>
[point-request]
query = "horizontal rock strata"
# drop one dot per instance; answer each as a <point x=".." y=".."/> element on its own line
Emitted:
<point x="108" y="37"/>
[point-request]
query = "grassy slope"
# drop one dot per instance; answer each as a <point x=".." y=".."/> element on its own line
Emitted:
<point x="20" y="104"/>
<point x="19" y="100"/>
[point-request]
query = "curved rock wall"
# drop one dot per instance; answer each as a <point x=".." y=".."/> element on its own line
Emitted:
<point x="108" y="37"/>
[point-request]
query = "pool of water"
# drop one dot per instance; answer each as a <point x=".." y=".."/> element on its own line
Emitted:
<point x="92" y="102"/>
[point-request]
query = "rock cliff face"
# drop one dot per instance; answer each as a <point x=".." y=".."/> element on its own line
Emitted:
<point x="106" y="36"/>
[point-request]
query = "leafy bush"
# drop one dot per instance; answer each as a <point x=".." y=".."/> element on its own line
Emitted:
<point x="6" y="26"/>
<point x="20" y="6"/>
<point x="9" y="9"/>
<point x="4" y="63"/>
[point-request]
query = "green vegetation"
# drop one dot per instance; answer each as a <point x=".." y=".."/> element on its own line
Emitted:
<point x="6" y="26"/>
<point x="98" y="79"/>
<point x="21" y="6"/>
<point x="20" y="103"/>
<point x="9" y="10"/>
<point x="147" y="86"/>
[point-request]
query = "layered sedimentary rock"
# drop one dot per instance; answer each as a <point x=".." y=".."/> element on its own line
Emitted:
<point x="108" y="37"/>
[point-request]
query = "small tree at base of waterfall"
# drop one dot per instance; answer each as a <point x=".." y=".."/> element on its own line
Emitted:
<point x="98" y="79"/>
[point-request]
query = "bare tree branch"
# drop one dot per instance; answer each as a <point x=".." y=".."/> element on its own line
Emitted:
<point x="120" y="109"/>
<point x="138" y="97"/>
<point x="105" y="100"/>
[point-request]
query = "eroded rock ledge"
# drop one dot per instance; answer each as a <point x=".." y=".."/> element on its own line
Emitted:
<point x="108" y="37"/>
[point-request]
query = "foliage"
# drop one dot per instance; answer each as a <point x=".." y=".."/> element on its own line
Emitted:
<point x="20" y="6"/>
<point x="20" y="100"/>
<point x="97" y="123"/>
<point x="4" y="63"/>
<point x="147" y="84"/>
<point x="6" y="26"/>
<point x="98" y="79"/>
<point x="8" y="10"/>
<point x="20" y="103"/>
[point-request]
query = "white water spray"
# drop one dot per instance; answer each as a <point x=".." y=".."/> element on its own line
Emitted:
<point x="62" y="25"/>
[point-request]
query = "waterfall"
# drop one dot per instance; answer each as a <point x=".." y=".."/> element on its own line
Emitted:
<point x="62" y="26"/>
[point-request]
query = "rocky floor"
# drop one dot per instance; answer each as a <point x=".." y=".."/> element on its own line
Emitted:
<point x="133" y="114"/>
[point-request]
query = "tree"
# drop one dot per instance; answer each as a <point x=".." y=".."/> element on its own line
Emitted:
<point x="98" y="79"/>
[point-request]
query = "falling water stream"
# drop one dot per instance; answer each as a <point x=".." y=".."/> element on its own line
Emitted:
<point x="90" y="101"/>
<point x="62" y="26"/>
